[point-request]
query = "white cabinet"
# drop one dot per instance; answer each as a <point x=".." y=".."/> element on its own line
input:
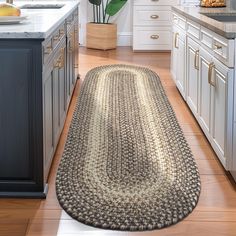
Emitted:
<point x="215" y="106"/>
<point x="192" y="69"/>
<point x="178" y="59"/>
<point x="201" y="70"/>
<point x="180" y="76"/>
<point x="221" y="82"/>
<point x="152" y="24"/>
<point x="204" y="92"/>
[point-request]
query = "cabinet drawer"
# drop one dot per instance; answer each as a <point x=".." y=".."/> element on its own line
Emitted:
<point x="220" y="47"/>
<point x="155" y="2"/>
<point x="152" y="16"/>
<point x="206" y="38"/>
<point x="179" y="21"/>
<point x="152" y="38"/>
<point x="58" y="34"/>
<point x="223" y="50"/>
<point x="51" y="43"/>
<point x="193" y="29"/>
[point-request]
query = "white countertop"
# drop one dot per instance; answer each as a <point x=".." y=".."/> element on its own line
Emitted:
<point x="40" y="23"/>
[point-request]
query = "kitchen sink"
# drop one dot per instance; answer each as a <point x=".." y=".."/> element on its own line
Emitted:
<point x="42" y="6"/>
<point x="222" y="17"/>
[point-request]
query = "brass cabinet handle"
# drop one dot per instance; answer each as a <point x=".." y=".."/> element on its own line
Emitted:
<point x="210" y="70"/>
<point x="154" y="36"/>
<point x="154" y="16"/>
<point x="176" y="36"/>
<point x="217" y="46"/>
<point x="196" y="62"/>
<point x="55" y="38"/>
<point x="48" y="50"/>
<point x="61" y="31"/>
<point x="60" y="63"/>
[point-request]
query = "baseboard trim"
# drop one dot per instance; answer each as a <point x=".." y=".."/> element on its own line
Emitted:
<point x="124" y="39"/>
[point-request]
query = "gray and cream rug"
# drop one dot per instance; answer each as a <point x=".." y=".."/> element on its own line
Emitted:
<point x="126" y="163"/>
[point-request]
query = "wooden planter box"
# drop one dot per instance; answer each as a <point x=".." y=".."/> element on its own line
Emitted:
<point x="101" y="36"/>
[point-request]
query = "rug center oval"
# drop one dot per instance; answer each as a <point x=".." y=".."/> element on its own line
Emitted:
<point x="126" y="163"/>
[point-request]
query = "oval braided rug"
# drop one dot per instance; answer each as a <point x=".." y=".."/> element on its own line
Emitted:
<point x="126" y="164"/>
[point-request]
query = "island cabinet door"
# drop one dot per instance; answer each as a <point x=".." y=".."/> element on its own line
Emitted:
<point x="69" y="67"/>
<point x="76" y="50"/>
<point x="48" y="118"/>
<point x="62" y="87"/>
<point x="59" y="102"/>
<point x="205" y="60"/>
<point x="192" y="75"/>
<point x="21" y="142"/>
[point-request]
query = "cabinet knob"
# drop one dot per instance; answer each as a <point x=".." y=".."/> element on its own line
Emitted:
<point x="154" y="36"/>
<point x="154" y="16"/>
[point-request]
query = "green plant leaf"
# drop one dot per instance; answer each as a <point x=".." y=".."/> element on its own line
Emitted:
<point x="114" y="6"/>
<point x="96" y="2"/>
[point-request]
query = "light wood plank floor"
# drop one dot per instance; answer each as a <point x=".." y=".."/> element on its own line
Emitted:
<point x="215" y="213"/>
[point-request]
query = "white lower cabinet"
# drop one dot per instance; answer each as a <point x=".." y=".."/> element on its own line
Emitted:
<point x="204" y="115"/>
<point x="215" y="108"/>
<point x="178" y="59"/>
<point x="192" y="73"/>
<point x="221" y="110"/>
<point x="206" y="84"/>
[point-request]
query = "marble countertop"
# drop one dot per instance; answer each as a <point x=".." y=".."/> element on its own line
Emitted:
<point x="40" y="23"/>
<point x="225" y="29"/>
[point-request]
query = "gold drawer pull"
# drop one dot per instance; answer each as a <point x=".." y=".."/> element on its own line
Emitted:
<point x="154" y="16"/>
<point x="55" y="38"/>
<point x="154" y="36"/>
<point x="196" y="62"/>
<point x="48" y="50"/>
<point x="176" y="36"/>
<point x="61" y="31"/>
<point x="216" y="46"/>
<point x="61" y="60"/>
<point x="210" y="70"/>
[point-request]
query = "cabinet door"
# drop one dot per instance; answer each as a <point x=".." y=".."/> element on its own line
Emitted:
<point x="219" y="112"/>
<point x="62" y="88"/>
<point x="174" y="55"/>
<point x="204" y="92"/>
<point x="180" y="76"/>
<point x="48" y="119"/>
<point x="192" y="78"/>
<point x="69" y="68"/>
<point x="76" y="51"/>
<point x="59" y="103"/>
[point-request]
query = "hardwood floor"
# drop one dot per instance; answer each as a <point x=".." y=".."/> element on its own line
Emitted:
<point x="215" y="213"/>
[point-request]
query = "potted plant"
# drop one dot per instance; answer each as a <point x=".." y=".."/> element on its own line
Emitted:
<point x="101" y="34"/>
